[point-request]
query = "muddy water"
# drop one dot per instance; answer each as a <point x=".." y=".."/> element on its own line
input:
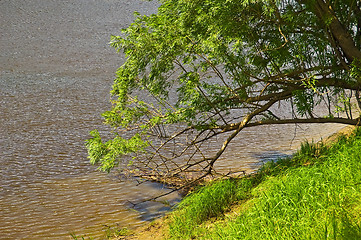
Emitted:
<point x="56" y="72"/>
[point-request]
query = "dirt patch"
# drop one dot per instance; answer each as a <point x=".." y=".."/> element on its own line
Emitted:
<point x="156" y="230"/>
<point x="346" y="131"/>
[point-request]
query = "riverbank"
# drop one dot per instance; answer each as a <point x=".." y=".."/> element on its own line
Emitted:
<point x="314" y="195"/>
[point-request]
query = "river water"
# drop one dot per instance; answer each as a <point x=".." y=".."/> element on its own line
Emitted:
<point x="56" y="73"/>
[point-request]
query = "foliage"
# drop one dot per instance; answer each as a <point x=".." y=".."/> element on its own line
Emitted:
<point x="200" y="70"/>
<point x="289" y="201"/>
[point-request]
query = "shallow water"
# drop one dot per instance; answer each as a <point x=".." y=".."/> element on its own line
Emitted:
<point x="56" y="72"/>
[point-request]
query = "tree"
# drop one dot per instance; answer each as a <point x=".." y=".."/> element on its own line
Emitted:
<point x="199" y="69"/>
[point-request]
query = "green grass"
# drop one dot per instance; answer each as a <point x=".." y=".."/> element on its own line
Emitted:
<point x="210" y="201"/>
<point x="314" y="195"/>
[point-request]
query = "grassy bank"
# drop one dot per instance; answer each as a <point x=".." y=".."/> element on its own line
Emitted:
<point x="314" y="195"/>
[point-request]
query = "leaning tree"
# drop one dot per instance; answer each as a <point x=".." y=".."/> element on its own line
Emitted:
<point x="200" y="69"/>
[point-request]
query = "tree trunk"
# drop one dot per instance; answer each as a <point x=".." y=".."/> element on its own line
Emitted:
<point x="343" y="39"/>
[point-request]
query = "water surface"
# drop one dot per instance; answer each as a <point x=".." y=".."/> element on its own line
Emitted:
<point x="56" y="72"/>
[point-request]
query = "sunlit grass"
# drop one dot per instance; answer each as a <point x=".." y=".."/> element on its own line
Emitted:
<point x="315" y="195"/>
<point x="210" y="201"/>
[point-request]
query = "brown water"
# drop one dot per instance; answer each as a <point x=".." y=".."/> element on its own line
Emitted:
<point x="56" y="72"/>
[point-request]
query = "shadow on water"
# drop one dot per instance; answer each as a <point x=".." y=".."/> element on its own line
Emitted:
<point x="149" y="208"/>
<point x="264" y="157"/>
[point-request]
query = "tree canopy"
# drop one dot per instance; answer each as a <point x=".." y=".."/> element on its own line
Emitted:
<point x="199" y="69"/>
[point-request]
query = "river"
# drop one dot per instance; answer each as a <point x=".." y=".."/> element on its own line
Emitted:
<point x="56" y="72"/>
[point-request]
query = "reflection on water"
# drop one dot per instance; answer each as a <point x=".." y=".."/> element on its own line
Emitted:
<point x="56" y="71"/>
